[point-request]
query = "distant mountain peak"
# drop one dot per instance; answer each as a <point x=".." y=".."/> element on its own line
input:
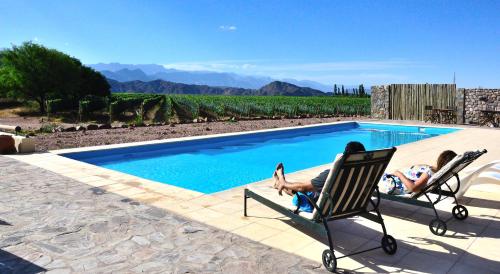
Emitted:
<point x="125" y="73"/>
<point x="166" y="87"/>
<point x="287" y="89"/>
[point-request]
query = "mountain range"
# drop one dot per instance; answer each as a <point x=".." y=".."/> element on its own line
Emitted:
<point x="151" y="72"/>
<point x="167" y="87"/>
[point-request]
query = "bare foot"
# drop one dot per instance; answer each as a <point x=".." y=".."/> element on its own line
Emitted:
<point x="275" y="175"/>
<point x="280" y="174"/>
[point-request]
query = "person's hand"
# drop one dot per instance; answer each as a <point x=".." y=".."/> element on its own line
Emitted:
<point x="398" y="174"/>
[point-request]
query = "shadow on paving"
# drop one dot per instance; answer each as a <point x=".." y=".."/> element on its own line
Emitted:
<point x="373" y="260"/>
<point x="10" y="263"/>
<point x="2" y="222"/>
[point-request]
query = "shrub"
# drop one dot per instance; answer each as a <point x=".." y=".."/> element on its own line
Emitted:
<point x="58" y="105"/>
<point x="149" y="105"/>
<point x="91" y="104"/>
<point x="119" y="106"/>
<point x="47" y="128"/>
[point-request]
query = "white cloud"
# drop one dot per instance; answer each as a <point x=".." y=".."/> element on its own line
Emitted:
<point x="325" y="72"/>
<point x="227" y="28"/>
<point x="35" y="39"/>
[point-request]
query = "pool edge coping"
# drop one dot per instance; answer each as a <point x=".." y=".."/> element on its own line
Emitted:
<point x="229" y="134"/>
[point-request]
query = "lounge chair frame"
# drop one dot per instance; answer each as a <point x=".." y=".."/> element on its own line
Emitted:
<point x="438" y="225"/>
<point x="319" y="225"/>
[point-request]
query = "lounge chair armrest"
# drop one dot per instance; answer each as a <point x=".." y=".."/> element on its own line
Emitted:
<point x="313" y="203"/>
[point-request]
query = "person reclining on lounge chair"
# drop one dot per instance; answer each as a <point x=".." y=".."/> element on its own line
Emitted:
<point x="312" y="187"/>
<point x="414" y="178"/>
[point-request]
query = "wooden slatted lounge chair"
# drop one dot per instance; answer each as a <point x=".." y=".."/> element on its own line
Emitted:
<point x="346" y="193"/>
<point x="434" y="191"/>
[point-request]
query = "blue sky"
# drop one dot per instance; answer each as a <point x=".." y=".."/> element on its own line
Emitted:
<point x="347" y="42"/>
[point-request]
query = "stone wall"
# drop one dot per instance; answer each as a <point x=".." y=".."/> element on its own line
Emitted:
<point x="477" y="100"/>
<point x="380" y="102"/>
<point x="460" y="105"/>
<point x="469" y="103"/>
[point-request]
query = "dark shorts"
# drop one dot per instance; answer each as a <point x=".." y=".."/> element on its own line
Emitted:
<point x="319" y="181"/>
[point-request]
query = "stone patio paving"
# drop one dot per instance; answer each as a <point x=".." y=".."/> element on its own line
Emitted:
<point x="52" y="223"/>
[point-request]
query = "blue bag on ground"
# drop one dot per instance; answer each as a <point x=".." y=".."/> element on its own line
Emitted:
<point x="302" y="202"/>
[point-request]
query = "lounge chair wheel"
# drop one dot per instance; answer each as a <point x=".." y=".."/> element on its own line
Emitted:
<point x="438" y="227"/>
<point x="329" y="260"/>
<point x="460" y="212"/>
<point x="389" y="244"/>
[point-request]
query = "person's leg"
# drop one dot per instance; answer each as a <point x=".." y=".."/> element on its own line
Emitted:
<point x="291" y="187"/>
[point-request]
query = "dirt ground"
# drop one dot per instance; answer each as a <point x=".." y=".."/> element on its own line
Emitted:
<point x="59" y="140"/>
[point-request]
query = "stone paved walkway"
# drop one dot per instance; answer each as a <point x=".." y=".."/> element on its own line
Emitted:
<point x="50" y="223"/>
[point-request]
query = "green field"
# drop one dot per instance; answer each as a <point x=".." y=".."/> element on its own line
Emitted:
<point x="220" y="106"/>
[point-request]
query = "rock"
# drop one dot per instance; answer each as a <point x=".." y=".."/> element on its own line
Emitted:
<point x="124" y="126"/>
<point x="208" y="129"/>
<point x="191" y="230"/>
<point x="141" y="240"/>
<point x="57" y="129"/>
<point x="70" y="129"/>
<point x="7" y="144"/>
<point x="172" y="125"/>
<point x="80" y="128"/>
<point x="92" y="127"/>
<point x="105" y="126"/>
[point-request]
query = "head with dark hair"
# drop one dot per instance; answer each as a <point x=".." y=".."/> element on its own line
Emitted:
<point x="352" y="147"/>
<point x="444" y="158"/>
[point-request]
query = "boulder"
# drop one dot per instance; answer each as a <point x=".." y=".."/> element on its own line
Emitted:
<point x="105" y="126"/>
<point x="7" y="144"/>
<point x="92" y="127"/>
<point x="81" y="128"/>
<point x="70" y="129"/>
<point x="57" y="129"/>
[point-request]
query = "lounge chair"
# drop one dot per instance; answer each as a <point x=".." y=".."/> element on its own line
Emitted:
<point x="485" y="174"/>
<point x="346" y="193"/>
<point x="434" y="192"/>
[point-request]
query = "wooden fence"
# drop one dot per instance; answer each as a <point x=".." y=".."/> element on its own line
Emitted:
<point x="408" y="101"/>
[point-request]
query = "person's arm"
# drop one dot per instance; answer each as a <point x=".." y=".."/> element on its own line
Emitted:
<point x="410" y="185"/>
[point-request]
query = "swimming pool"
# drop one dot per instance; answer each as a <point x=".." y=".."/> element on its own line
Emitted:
<point x="218" y="163"/>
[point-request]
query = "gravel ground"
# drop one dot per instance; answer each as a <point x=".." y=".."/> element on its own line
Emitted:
<point x="60" y="140"/>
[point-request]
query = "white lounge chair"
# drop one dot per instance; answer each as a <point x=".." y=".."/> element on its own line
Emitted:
<point x="485" y="174"/>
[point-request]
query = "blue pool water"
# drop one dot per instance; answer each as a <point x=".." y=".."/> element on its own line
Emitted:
<point x="214" y="164"/>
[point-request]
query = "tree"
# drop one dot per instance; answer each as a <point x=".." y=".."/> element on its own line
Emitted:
<point x="37" y="73"/>
<point x="92" y="83"/>
<point x="343" y="91"/>
<point x="335" y="89"/>
<point x="361" y="90"/>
